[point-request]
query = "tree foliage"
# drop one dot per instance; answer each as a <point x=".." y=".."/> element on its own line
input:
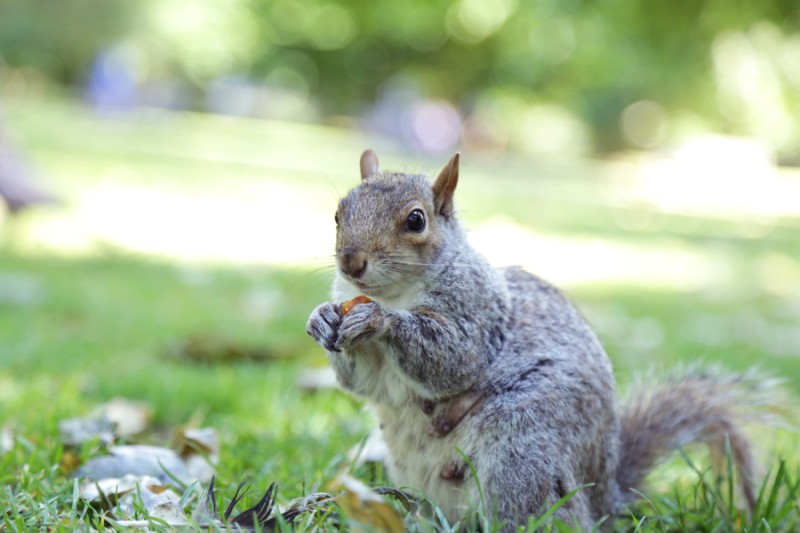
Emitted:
<point x="592" y="58"/>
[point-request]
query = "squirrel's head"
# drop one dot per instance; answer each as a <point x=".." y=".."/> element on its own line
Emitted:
<point x="390" y="229"/>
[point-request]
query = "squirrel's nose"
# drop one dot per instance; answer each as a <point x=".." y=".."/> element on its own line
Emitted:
<point x="353" y="262"/>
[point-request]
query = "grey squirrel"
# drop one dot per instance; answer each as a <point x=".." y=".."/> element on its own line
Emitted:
<point x="458" y="358"/>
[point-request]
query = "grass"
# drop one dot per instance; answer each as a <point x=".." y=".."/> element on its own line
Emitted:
<point x="88" y="312"/>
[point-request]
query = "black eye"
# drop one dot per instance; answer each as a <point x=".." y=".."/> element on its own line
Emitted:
<point x="416" y="220"/>
<point x="336" y="218"/>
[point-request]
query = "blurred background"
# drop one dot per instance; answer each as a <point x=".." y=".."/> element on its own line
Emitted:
<point x="536" y="77"/>
<point x="171" y="169"/>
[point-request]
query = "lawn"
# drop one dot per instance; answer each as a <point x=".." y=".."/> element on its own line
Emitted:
<point x="188" y="250"/>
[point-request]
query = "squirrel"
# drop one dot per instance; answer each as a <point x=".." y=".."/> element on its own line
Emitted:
<point x="493" y="373"/>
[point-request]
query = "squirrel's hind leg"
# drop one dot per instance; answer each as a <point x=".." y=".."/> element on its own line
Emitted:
<point x="517" y="488"/>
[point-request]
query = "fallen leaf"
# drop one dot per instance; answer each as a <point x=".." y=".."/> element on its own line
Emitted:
<point x="138" y="460"/>
<point x="199" y="468"/>
<point x="125" y="497"/>
<point x="128" y="417"/>
<point x="77" y="431"/>
<point x="199" y="449"/>
<point x="170" y="512"/>
<point x="98" y="489"/>
<point x="194" y="440"/>
<point x="315" y="500"/>
<point x="367" y="510"/>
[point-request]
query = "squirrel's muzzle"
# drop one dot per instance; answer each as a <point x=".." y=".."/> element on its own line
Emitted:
<point x="352" y="262"/>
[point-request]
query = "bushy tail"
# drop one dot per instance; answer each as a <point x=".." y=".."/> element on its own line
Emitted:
<point x="698" y="405"/>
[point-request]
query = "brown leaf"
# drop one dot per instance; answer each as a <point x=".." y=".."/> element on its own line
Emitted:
<point x="365" y="508"/>
<point x="198" y="440"/>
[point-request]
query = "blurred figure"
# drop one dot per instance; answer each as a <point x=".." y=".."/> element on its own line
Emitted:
<point x="112" y="86"/>
<point x="17" y="187"/>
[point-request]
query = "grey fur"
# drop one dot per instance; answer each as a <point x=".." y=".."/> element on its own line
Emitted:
<point x="456" y="355"/>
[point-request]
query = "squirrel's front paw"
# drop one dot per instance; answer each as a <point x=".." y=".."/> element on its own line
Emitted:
<point x="323" y="325"/>
<point x="361" y="324"/>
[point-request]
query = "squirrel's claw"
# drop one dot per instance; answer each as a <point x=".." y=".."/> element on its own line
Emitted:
<point x="323" y="325"/>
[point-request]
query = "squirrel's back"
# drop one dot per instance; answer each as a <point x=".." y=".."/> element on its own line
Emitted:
<point x="616" y="447"/>
<point x="554" y="368"/>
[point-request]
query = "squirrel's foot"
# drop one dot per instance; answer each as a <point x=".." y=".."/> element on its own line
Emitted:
<point x="323" y="325"/>
<point x="361" y="324"/>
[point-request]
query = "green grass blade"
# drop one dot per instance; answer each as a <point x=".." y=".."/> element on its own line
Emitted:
<point x="555" y="507"/>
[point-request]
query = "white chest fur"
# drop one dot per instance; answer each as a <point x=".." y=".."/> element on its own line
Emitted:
<point x="416" y="459"/>
<point x="432" y="465"/>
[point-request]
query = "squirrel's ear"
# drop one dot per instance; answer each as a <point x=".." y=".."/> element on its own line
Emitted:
<point x="445" y="186"/>
<point x="369" y="164"/>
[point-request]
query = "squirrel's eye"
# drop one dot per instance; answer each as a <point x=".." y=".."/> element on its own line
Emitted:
<point x="336" y="218"/>
<point x="416" y="220"/>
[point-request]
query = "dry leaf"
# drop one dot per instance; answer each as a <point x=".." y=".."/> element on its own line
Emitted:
<point x="194" y="440"/>
<point x="138" y="460"/>
<point x="128" y="417"/>
<point x="199" y="468"/>
<point x="170" y="512"/>
<point x="199" y="448"/>
<point x="77" y="431"/>
<point x="96" y="490"/>
<point x="122" y="496"/>
<point x="366" y="508"/>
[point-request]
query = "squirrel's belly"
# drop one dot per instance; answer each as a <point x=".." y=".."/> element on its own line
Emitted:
<point x="429" y="464"/>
